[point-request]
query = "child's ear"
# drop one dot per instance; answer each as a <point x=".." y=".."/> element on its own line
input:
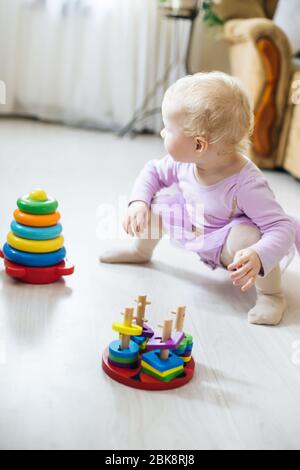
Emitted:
<point x="201" y="144"/>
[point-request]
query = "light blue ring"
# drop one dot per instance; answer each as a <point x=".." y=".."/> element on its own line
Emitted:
<point x="34" y="260"/>
<point x="35" y="233"/>
<point x="130" y="353"/>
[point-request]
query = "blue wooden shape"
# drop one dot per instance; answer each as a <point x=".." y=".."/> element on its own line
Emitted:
<point x="139" y="339"/>
<point x="130" y="353"/>
<point x="153" y="359"/>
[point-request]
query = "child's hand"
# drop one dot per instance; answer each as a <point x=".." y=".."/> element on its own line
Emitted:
<point x="137" y="219"/>
<point x="247" y="266"/>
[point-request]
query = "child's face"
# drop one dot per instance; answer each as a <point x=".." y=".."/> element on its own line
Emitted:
<point x="181" y="147"/>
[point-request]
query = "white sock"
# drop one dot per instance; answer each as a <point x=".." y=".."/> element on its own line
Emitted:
<point x="269" y="309"/>
<point x="271" y="302"/>
<point x="137" y="252"/>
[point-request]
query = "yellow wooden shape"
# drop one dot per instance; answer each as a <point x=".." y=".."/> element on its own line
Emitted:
<point x="161" y="374"/>
<point x="33" y="246"/>
<point x="187" y="359"/>
<point x="133" y="330"/>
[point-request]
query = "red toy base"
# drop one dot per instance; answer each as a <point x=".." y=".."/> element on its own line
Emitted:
<point x="37" y="275"/>
<point x="136" y="379"/>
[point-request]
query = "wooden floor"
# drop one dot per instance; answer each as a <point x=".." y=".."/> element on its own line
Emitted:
<point x="53" y="394"/>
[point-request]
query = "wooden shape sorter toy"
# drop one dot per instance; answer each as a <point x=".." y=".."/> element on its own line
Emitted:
<point x="141" y="359"/>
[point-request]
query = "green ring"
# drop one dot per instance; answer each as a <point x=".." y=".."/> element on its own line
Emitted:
<point x="121" y="360"/>
<point x="25" y="204"/>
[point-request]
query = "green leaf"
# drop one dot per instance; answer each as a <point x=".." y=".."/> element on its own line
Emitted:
<point x="209" y="17"/>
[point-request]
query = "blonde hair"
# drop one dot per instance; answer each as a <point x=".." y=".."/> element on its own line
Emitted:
<point x="216" y="107"/>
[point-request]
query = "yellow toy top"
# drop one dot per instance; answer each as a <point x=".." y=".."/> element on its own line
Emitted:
<point x="38" y="195"/>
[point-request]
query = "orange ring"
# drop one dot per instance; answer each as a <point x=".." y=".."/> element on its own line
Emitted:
<point x="36" y="220"/>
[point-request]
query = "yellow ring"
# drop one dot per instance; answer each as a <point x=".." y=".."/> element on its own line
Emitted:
<point x="161" y="374"/>
<point x="32" y="246"/>
<point x="133" y="330"/>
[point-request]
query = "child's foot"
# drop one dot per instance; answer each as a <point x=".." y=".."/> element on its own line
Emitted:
<point x="268" y="310"/>
<point x="129" y="255"/>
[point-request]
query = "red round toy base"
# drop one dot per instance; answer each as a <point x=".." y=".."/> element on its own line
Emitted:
<point x="37" y="275"/>
<point x="136" y="379"/>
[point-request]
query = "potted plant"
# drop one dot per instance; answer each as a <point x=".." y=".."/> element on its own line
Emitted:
<point x="184" y="8"/>
<point x="190" y="9"/>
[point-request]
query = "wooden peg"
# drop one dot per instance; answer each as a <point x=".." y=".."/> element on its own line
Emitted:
<point x="142" y="299"/>
<point x="167" y="330"/>
<point x="180" y="317"/>
<point x="125" y="341"/>
<point x="166" y="335"/>
<point x="140" y="317"/>
<point x="128" y="318"/>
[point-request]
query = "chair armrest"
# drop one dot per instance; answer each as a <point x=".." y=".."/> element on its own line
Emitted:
<point x="241" y="30"/>
<point x="289" y="145"/>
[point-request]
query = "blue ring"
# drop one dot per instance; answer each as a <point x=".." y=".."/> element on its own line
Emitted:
<point x="33" y="260"/>
<point x="34" y="233"/>
<point x="130" y="353"/>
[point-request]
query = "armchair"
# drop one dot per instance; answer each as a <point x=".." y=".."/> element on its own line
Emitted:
<point x="261" y="56"/>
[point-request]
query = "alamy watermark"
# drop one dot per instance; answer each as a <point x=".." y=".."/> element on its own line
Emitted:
<point x="175" y="220"/>
<point x="296" y="92"/>
<point x="2" y="93"/>
<point x="3" y="357"/>
<point x="2" y="352"/>
<point x="296" y="353"/>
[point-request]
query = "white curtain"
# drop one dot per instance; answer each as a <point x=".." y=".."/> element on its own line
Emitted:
<point x="87" y="62"/>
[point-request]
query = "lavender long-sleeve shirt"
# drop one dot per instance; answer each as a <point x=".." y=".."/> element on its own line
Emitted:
<point x="243" y="198"/>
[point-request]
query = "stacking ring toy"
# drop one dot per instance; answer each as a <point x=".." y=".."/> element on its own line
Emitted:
<point x="36" y="220"/>
<point x="133" y="330"/>
<point x="34" y="260"/>
<point x="34" y="252"/>
<point x="37" y="202"/>
<point x="47" y="246"/>
<point x="33" y="233"/>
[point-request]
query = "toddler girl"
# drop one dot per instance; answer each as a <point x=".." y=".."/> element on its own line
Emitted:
<point x="208" y="121"/>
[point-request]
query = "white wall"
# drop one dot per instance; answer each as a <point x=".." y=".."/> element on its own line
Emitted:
<point x="210" y="51"/>
<point x="288" y="18"/>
